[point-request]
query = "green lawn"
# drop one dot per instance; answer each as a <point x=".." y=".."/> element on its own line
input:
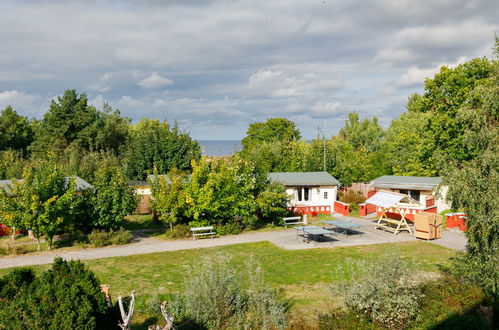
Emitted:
<point x="302" y="273"/>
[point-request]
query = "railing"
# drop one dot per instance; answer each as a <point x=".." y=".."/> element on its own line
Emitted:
<point x="312" y="210"/>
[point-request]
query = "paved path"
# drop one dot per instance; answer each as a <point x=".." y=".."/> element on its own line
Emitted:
<point x="285" y="238"/>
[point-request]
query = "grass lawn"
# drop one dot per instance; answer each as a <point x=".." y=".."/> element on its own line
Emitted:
<point x="302" y="274"/>
<point x="146" y="221"/>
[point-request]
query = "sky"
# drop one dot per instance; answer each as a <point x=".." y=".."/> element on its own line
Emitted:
<point x="216" y="66"/>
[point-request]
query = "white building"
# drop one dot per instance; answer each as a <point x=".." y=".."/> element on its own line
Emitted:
<point x="310" y="192"/>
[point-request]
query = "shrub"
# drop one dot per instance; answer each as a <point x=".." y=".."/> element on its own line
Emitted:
<point x="383" y="291"/>
<point x="9" y="247"/>
<point x="120" y="237"/>
<point x="67" y="296"/>
<point x="217" y="297"/>
<point x="179" y="231"/>
<point x="352" y="197"/>
<point x="99" y="238"/>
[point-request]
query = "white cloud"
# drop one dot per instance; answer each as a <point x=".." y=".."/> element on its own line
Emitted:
<point x="130" y="102"/>
<point x="324" y="110"/>
<point x="17" y="99"/>
<point x="155" y="81"/>
<point x="415" y="76"/>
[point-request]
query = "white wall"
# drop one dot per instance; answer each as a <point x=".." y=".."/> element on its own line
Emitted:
<point x="316" y="195"/>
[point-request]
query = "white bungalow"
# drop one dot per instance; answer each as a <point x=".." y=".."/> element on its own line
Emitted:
<point x="310" y="192"/>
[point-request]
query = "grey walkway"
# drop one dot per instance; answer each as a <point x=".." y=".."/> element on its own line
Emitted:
<point x="285" y="239"/>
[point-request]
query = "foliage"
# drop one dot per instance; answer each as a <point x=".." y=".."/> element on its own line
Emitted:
<point x="100" y="238"/>
<point x="218" y="297"/>
<point x="168" y="199"/>
<point x="383" y="291"/>
<point x="12" y="164"/>
<point x="46" y="199"/>
<point x="352" y="197"/>
<point x="71" y="121"/>
<point x="179" y="232"/>
<point x="16" y="132"/>
<point x="65" y="297"/>
<point x="157" y="144"/>
<point x="113" y="199"/>
<point x="9" y="247"/>
<point x="272" y="130"/>
<point x="364" y="134"/>
<point x="473" y="184"/>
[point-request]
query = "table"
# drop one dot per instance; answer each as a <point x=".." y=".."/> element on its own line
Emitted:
<point x="314" y="233"/>
<point x="342" y="227"/>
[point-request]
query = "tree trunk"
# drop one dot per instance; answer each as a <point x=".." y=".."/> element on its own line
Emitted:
<point x="38" y="242"/>
<point x="13" y="233"/>
<point x="171" y="225"/>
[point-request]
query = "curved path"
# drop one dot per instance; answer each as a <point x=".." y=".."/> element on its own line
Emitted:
<point x="285" y="238"/>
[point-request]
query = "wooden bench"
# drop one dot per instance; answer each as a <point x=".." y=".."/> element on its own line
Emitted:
<point x="202" y="231"/>
<point x="292" y="221"/>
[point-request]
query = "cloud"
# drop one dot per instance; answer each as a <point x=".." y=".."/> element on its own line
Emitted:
<point x="155" y="81"/>
<point x="414" y="76"/>
<point x="17" y="99"/>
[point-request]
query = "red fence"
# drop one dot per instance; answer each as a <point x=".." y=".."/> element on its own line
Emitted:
<point x="311" y="210"/>
<point x="365" y="209"/>
<point x="455" y="220"/>
<point x="342" y="208"/>
<point x="409" y="213"/>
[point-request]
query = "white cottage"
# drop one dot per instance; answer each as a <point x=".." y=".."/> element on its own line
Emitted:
<point x="310" y="192"/>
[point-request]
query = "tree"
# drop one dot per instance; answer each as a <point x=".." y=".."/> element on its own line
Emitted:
<point x="473" y="183"/>
<point x="67" y="296"/>
<point x="11" y="211"/>
<point x="168" y="198"/>
<point x="364" y="134"/>
<point x="155" y="143"/>
<point x="272" y="130"/>
<point x="113" y="199"/>
<point x="12" y="164"/>
<point x="69" y="120"/>
<point x="15" y="131"/>
<point x="48" y="199"/>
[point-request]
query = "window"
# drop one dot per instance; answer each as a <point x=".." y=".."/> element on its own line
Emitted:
<point x="325" y="195"/>
<point x="302" y="194"/>
<point x="414" y="194"/>
<point x="306" y="193"/>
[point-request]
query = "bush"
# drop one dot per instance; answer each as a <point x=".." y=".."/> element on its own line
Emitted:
<point x="383" y="291"/>
<point x="67" y="296"/>
<point x="9" y="247"/>
<point x="100" y="238"/>
<point x="217" y="297"/>
<point x="352" y="197"/>
<point x="179" y="231"/>
<point x="120" y="237"/>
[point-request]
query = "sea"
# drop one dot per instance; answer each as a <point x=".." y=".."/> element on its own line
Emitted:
<point x="220" y="147"/>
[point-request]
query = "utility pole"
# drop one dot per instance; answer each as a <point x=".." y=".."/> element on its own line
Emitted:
<point x="324" y="142"/>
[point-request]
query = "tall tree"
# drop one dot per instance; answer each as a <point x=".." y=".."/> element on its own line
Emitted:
<point x="272" y="130"/>
<point x="15" y="131"/>
<point x="365" y="134"/>
<point x="69" y="120"/>
<point x="155" y="143"/>
<point x="113" y="199"/>
<point x="474" y="182"/>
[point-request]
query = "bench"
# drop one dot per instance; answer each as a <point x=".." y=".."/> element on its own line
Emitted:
<point x="292" y="221"/>
<point x="202" y="231"/>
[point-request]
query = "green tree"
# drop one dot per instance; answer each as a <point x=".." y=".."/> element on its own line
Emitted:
<point x="48" y="199"/>
<point x="69" y="120"/>
<point x="12" y="164"/>
<point x="272" y="130"/>
<point x="168" y="198"/>
<point x="365" y="134"/>
<point x="474" y="183"/>
<point x="11" y="211"/>
<point x="155" y="143"/>
<point x="67" y="296"/>
<point x="113" y="199"/>
<point x="15" y="131"/>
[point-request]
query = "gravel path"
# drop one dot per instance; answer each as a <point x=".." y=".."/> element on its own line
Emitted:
<point x="285" y="238"/>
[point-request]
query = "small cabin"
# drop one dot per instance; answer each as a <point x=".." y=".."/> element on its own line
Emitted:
<point x="310" y="192"/>
<point x="422" y="189"/>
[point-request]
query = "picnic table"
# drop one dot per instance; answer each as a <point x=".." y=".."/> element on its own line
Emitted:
<point x="341" y="226"/>
<point x="314" y="233"/>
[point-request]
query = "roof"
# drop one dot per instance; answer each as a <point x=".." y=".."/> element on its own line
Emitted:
<point x="164" y="176"/>
<point x="80" y="184"/>
<point x="390" y="199"/>
<point x="138" y="183"/>
<point x="304" y="178"/>
<point x="406" y="182"/>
